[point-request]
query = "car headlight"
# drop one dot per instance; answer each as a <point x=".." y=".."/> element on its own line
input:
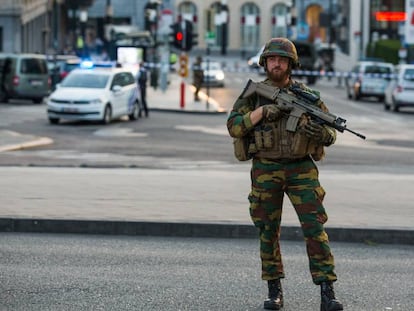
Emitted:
<point x="96" y="101"/>
<point x="220" y="76"/>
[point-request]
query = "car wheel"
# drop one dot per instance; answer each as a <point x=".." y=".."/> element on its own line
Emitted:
<point x="53" y="120"/>
<point x="311" y="80"/>
<point x="380" y="99"/>
<point x="356" y="95"/>
<point x="38" y="100"/>
<point x="395" y="107"/>
<point x="107" y="117"/>
<point x="348" y="92"/>
<point x="4" y="98"/>
<point x="135" y="112"/>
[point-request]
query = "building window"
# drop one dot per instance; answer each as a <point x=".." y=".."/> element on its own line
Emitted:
<point x="385" y="29"/>
<point x="280" y="20"/>
<point x="250" y="27"/>
<point x="342" y="26"/>
<point x="187" y="11"/>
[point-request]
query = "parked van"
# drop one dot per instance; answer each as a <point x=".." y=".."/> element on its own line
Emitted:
<point x="24" y="76"/>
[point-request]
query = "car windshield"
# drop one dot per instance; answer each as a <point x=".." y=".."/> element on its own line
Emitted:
<point x="85" y="80"/>
<point x="211" y="66"/>
<point x="409" y="74"/>
<point x="33" y="66"/>
<point x="71" y="66"/>
<point x="377" y="69"/>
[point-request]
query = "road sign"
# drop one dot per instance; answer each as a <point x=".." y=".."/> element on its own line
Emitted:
<point x="183" y="71"/>
<point x="210" y="37"/>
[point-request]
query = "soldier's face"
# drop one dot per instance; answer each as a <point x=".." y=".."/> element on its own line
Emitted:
<point x="277" y="69"/>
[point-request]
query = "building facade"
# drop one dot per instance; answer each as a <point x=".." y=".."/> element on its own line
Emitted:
<point x="24" y="26"/>
<point x="39" y="26"/>
<point x="222" y="26"/>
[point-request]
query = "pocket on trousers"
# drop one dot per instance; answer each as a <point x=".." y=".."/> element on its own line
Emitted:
<point x="255" y="208"/>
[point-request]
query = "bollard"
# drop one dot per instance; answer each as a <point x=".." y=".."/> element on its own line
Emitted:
<point x="182" y="94"/>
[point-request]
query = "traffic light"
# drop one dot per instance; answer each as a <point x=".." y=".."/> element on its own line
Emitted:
<point x="182" y="36"/>
<point x="176" y="36"/>
<point x="190" y="36"/>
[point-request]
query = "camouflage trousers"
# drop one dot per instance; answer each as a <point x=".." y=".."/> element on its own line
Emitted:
<point x="299" y="180"/>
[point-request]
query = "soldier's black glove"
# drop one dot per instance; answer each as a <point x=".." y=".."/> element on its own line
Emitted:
<point x="317" y="133"/>
<point x="273" y="113"/>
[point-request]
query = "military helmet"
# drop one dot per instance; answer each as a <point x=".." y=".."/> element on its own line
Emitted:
<point x="281" y="47"/>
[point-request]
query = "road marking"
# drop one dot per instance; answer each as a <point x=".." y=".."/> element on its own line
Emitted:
<point x="119" y="132"/>
<point x="222" y="130"/>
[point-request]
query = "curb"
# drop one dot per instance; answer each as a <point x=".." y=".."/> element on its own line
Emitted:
<point x="206" y="111"/>
<point x="16" y="141"/>
<point x="42" y="141"/>
<point x="196" y="230"/>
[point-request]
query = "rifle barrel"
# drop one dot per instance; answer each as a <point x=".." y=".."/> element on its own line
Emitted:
<point x="355" y="133"/>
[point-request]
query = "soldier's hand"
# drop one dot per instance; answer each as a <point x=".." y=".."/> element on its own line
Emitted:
<point x="317" y="132"/>
<point x="271" y="113"/>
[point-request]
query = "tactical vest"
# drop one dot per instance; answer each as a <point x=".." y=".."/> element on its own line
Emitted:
<point x="271" y="140"/>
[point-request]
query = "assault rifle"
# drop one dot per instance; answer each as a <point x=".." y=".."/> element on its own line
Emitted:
<point x="302" y="103"/>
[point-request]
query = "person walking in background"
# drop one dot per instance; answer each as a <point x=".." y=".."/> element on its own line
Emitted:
<point x="142" y="78"/>
<point x="198" y="77"/>
<point x="283" y="162"/>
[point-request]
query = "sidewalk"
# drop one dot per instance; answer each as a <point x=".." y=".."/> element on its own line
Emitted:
<point x="172" y="99"/>
<point x="217" y="206"/>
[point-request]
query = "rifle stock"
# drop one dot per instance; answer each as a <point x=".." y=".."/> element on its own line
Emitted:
<point x="303" y="103"/>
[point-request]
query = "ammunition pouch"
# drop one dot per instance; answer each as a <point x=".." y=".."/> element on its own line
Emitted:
<point x="274" y="141"/>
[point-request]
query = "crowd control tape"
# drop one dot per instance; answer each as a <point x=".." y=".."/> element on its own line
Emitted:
<point x="318" y="73"/>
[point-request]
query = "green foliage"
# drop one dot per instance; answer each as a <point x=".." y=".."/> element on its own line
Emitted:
<point x="384" y="49"/>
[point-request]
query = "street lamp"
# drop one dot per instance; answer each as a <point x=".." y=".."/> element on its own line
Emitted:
<point x="83" y="18"/>
<point x="109" y="13"/>
<point x="224" y="18"/>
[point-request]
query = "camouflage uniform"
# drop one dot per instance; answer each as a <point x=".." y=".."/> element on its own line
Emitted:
<point x="270" y="179"/>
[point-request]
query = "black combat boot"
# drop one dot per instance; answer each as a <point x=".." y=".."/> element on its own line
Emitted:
<point x="275" y="299"/>
<point x="328" y="300"/>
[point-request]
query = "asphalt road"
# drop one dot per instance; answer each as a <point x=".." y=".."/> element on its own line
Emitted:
<point x="78" y="272"/>
<point x="197" y="138"/>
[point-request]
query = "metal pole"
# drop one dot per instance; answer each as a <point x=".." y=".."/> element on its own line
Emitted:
<point x="55" y="76"/>
<point x="208" y="82"/>
<point x="182" y="94"/>
<point x="108" y="13"/>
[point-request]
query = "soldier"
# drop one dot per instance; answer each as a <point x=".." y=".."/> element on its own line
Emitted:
<point x="198" y="77"/>
<point x="283" y="162"/>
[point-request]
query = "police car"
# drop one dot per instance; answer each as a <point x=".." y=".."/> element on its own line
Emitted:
<point x="97" y="94"/>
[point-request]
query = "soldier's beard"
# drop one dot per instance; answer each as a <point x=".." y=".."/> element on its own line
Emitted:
<point x="278" y="76"/>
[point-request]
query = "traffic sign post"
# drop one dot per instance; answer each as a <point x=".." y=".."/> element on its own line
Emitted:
<point x="183" y="72"/>
<point x="183" y="61"/>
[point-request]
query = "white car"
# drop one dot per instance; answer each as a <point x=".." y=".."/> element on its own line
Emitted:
<point x="400" y="91"/>
<point x="213" y="74"/>
<point x="253" y="62"/>
<point x="99" y="94"/>
<point x="368" y="79"/>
